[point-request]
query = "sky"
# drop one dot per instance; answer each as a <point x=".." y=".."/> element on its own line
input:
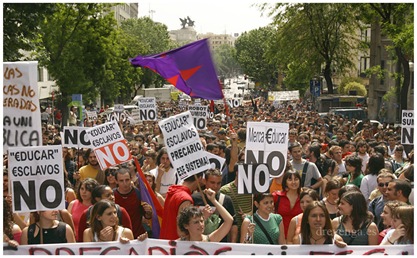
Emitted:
<point x="216" y="16"/>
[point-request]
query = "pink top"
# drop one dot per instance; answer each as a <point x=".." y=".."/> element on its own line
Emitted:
<point x="77" y="210"/>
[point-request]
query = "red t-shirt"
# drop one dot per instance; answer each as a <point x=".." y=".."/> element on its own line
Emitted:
<point x="134" y="208"/>
<point x="176" y="195"/>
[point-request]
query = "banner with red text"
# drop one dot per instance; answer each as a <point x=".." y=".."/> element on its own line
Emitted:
<point x="167" y="247"/>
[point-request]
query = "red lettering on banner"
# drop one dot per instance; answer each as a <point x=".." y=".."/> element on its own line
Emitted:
<point x="32" y="250"/>
<point x="107" y="250"/>
<point x="157" y="248"/>
<point x="113" y="154"/>
<point x="58" y="251"/>
<point x="87" y="249"/>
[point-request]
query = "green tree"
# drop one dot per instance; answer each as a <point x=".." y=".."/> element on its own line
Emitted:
<point x="354" y="86"/>
<point x="397" y="23"/>
<point x="225" y="61"/>
<point x="251" y="48"/>
<point x="21" y="26"/>
<point x="77" y="44"/>
<point x="313" y="35"/>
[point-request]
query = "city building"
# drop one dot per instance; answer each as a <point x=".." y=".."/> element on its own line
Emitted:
<point x="216" y="40"/>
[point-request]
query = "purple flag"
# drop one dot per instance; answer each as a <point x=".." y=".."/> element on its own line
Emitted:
<point x="189" y="68"/>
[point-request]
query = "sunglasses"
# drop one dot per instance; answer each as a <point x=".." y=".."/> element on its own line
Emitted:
<point x="383" y="184"/>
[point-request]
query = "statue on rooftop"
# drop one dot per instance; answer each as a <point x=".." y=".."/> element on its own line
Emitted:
<point x="183" y="22"/>
<point x="190" y="22"/>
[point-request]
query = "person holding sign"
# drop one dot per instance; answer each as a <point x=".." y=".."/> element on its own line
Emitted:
<point x="191" y="222"/>
<point x="268" y="227"/>
<point x="47" y="230"/>
<point x="104" y="225"/>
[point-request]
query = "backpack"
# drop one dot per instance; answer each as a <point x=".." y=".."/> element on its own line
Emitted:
<point x="213" y="222"/>
<point x="303" y="177"/>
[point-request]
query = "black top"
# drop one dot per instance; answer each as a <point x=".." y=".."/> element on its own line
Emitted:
<point x="50" y="235"/>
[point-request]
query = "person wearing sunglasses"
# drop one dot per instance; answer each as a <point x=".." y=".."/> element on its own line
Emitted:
<point x="376" y="206"/>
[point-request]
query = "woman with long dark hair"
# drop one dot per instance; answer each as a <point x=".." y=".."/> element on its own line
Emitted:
<point x="287" y="202"/>
<point x="369" y="182"/>
<point x="316" y="227"/>
<point x="355" y="224"/>
<point x="354" y="168"/>
<point x="104" y="226"/>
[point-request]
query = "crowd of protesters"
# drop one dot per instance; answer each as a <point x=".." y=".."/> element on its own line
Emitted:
<point x="357" y="188"/>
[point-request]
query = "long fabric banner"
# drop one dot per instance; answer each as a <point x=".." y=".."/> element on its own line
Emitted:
<point x="168" y="247"/>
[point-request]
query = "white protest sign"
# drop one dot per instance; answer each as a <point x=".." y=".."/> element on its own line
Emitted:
<point x="253" y="178"/>
<point x="215" y="161"/>
<point x="197" y="102"/>
<point x="200" y="114"/>
<point x="118" y="116"/>
<point x="109" y="145"/>
<point x="147" y="109"/>
<point x="75" y="137"/>
<point x="21" y="110"/>
<point x="160" y="247"/>
<point x="185" y="150"/>
<point x="407" y="127"/>
<point x="135" y="115"/>
<point x="283" y="95"/>
<point x="91" y="115"/>
<point x="234" y="103"/>
<point x="267" y="143"/>
<point x="119" y="108"/>
<point x="36" y="176"/>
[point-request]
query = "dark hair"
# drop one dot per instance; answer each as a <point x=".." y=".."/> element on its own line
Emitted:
<point x="347" y="188"/>
<point x="375" y="163"/>
<point x="402" y="185"/>
<point x="89" y="184"/>
<point x="310" y="192"/>
<point x="191" y="179"/>
<point x="360" y="213"/>
<point x="186" y="215"/>
<point x="97" y="193"/>
<point x="98" y="210"/>
<point x="161" y="152"/>
<point x="258" y="197"/>
<point x="288" y="174"/>
<point x="332" y="184"/>
<point x="356" y="162"/>
<point x="315" y="149"/>
<point x="305" y="227"/>
<point x="146" y="174"/>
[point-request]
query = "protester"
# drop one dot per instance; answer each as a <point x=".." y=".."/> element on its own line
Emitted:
<point x="104" y="225"/>
<point x="307" y="196"/>
<point x="83" y="201"/>
<point x="387" y="218"/>
<point x="369" y="182"/>
<point x="11" y="231"/>
<point x="287" y="202"/>
<point x="191" y="222"/>
<point x="403" y="227"/>
<point x="92" y="169"/>
<point x="52" y="231"/>
<point x="165" y="173"/>
<point x="353" y="167"/>
<point x="316" y="227"/>
<point x="264" y="227"/>
<point x="331" y="197"/>
<point x="355" y="224"/>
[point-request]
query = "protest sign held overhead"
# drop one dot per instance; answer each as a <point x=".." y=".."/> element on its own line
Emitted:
<point x="185" y="150"/>
<point x="267" y="143"/>
<point x="109" y="145"/>
<point x="407" y="127"/>
<point x="91" y="115"/>
<point x="216" y="161"/>
<point x="200" y="114"/>
<point x="234" y="102"/>
<point x="75" y="137"/>
<point x="36" y="176"/>
<point x="253" y="178"/>
<point x="22" y="116"/>
<point x="147" y="109"/>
